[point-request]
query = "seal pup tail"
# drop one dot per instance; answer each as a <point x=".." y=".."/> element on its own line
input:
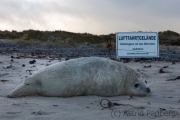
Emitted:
<point x="24" y="90"/>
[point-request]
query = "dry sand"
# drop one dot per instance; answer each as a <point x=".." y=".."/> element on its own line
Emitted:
<point x="163" y="104"/>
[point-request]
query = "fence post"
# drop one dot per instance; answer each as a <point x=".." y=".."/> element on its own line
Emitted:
<point x="109" y="46"/>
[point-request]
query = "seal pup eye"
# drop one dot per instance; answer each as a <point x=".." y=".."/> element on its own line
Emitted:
<point x="146" y="82"/>
<point x="136" y="85"/>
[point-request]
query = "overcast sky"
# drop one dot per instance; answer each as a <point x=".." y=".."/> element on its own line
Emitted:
<point x="91" y="16"/>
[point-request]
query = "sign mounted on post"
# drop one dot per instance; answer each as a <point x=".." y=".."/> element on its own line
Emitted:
<point x="137" y="44"/>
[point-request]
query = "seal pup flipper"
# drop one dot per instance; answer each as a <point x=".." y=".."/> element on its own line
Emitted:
<point x="24" y="90"/>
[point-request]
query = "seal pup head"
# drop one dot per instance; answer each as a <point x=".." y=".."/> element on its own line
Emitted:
<point x="140" y="88"/>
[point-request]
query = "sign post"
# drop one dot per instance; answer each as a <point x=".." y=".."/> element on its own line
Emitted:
<point x="137" y="44"/>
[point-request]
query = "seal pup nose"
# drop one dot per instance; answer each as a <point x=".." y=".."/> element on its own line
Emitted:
<point x="148" y="90"/>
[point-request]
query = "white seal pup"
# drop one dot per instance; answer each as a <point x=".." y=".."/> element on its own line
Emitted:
<point x="84" y="76"/>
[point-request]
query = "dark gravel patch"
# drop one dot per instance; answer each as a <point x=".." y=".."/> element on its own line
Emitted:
<point x="60" y="51"/>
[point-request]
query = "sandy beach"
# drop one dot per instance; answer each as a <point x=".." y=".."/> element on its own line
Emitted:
<point x="162" y="104"/>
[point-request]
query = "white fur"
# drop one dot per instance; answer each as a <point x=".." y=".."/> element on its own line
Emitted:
<point x="83" y="76"/>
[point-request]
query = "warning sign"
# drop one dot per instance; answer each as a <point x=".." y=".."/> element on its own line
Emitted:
<point x="137" y="44"/>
